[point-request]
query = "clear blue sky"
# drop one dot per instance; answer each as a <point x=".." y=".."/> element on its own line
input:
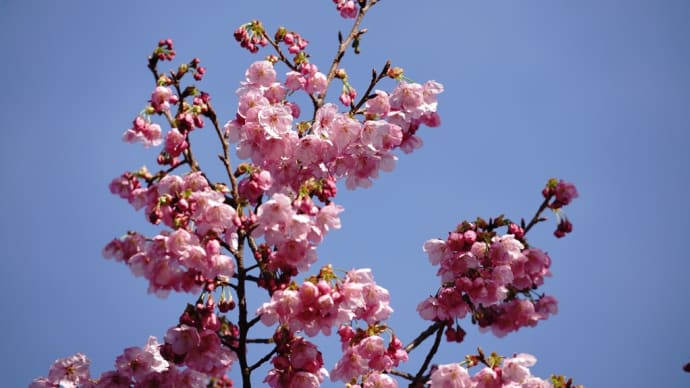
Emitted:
<point x="596" y="92"/>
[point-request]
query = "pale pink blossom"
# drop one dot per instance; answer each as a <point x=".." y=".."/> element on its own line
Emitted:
<point x="175" y="143"/>
<point x="161" y="98"/>
<point x="516" y="368"/>
<point x="68" y="372"/>
<point x="294" y="81"/>
<point x="261" y="73"/>
<point x="450" y="376"/>
<point x="316" y="83"/>
<point x="379" y="380"/>
<point x="143" y="131"/>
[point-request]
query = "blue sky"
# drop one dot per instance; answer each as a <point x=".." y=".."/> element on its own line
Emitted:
<point x="596" y="92"/>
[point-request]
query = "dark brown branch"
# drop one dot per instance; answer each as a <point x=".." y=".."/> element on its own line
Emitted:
<point x="259" y="341"/>
<point x="211" y="114"/>
<point x="423" y="336"/>
<point x="263" y="359"/>
<point x="375" y="79"/>
<point x="419" y="379"/>
<point x="537" y="215"/>
<point x="402" y="374"/>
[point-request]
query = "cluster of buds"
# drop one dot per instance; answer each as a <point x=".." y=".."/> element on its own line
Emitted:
<point x="293" y="40"/>
<point x="251" y="36"/>
<point x="165" y="50"/>
<point x="347" y="8"/>
<point x="347" y="93"/>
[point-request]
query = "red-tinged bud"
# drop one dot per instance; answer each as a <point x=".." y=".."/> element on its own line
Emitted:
<point x="198" y="121"/>
<point x="456" y="241"/>
<point x="240" y="34"/>
<point x="470" y="237"/>
<point x="564" y="227"/>
<point x="226" y="305"/>
<point x="345" y="99"/>
<point x="281" y="362"/>
<point x="516" y="230"/>
<point x="547" y="192"/>
<point x="187" y="319"/>
<point x="686" y="368"/>
<point x="456" y="334"/>
<point x="395" y="72"/>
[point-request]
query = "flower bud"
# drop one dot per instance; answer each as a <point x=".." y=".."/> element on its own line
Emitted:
<point x="395" y="72"/>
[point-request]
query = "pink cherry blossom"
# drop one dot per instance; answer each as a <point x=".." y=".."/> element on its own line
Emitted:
<point x="261" y="73"/>
<point x="161" y="98"/>
<point x="68" y="372"/>
<point x="143" y="131"/>
<point x="450" y="376"/>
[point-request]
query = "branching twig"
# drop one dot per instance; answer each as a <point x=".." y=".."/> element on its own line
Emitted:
<point x="423" y="336"/>
<point x="419" y="379"/>
<point x="375" y="79"/>
<point x="263" y="359"/>
<point x="342" y="47"/>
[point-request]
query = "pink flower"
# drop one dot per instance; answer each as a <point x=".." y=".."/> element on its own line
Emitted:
<point x="349" y="366"/>
<point x="143" y="131"/>
<point x="210" y="357"/>
<point x="565" y="193"/>
<point x="516" y="369"/>
<point x="124" y="185"/>
<point x="487" y="378"/>
<point x="347" y="8"/>
<point x="183" y="339"/>
<point x="316" y="83"/>
<point x="379" y="105"/>
<point x="294" y="81"/>
<point x="161" y="98"/>
<point x="68" y="372"/>
<point x="276" y="120"/>
<point x="450" y="376"/>
<point x="175" y="143"/>
<point x="261" y="73"/>
<point x="379" y="380"/>
<point x="137" y="363"/>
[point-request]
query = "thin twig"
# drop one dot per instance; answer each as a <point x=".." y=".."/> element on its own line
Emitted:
<point x="263" y="359"/>
<point x="423" y="336"/>
<point x="419" y="378"/>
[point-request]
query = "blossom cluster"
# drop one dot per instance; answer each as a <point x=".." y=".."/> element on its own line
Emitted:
<point x="347" y="8"/>
<point x="298" y="362"/>
<point x="485" y="279"/>
<point x="199" y="347"/>
<point x="336" y="144"/>
<point x="202" y="223"/>
<point x="512" y="372"/>
<point x="136" y="366"/>
<point x="366" y="355"/>
<point x="294" y="229"/>
<point x="323" y="302"/>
